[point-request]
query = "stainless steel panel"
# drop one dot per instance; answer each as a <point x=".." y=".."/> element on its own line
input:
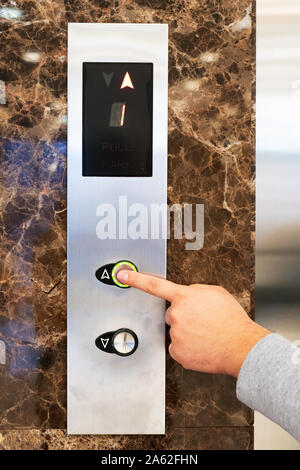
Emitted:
<point x="110" y="394"/>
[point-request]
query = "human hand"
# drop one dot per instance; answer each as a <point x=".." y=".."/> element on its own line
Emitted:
<point x="210" y="331"/>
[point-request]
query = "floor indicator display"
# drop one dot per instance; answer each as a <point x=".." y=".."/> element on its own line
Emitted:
<point x="117" y="151"/>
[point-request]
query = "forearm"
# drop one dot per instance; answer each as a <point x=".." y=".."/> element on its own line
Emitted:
<point x="269" y="382"/>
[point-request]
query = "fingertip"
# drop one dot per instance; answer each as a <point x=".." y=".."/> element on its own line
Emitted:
<point x="123" y="275"/>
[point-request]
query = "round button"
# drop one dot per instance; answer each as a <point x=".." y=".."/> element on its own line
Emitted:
<point x="124" y="264"/>
<point x="125" y="342"/>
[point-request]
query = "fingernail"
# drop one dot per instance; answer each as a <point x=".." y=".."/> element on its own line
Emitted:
<point x="122" y="276"/>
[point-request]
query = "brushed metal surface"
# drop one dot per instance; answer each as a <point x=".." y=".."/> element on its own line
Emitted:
<point x="95" y="399"/>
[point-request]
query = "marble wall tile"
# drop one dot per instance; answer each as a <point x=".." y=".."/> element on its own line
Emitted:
<point x="211" y="161"/>
<point x="228" y="438"/>
<point x="209" y="400"/>
<point x="224" y="438"/>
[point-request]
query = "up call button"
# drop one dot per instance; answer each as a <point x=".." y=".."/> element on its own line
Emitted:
<point x="119" y="267"/>
<point x="108" y="273"/>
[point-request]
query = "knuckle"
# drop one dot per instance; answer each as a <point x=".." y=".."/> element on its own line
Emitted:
<point x="174" y="333"/>
<point x="152" y="286"/>
<point x="173" y="315"/>
<point x="195" y="286"/>
<point x="223" y="290"/>
<point x="218" y="288"/>
<point x="220" y="291"/>
<point x="175" y="354"/>
<point x="168" y="312"/>
<point x="172" y="351"/>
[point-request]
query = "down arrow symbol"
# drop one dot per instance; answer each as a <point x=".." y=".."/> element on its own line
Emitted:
<point x="104" y="342"/>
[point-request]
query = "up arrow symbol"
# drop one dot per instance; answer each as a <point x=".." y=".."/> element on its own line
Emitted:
<point x="104" y="342"/>
<point x="105" y="275"/>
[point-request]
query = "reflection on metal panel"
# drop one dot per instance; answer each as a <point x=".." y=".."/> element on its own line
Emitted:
<point x="2" y="92"/>
<point x="2" y="352"/>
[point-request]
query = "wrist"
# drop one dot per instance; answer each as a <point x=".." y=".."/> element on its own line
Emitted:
<point x="247" y="338"/>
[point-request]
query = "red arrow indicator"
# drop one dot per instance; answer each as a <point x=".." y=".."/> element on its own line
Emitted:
<point x="127" y="81"/>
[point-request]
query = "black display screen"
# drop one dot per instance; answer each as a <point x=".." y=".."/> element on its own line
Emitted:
<point x="117" y="119"/>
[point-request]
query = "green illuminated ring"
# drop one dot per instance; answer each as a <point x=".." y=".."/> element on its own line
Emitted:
<point x="119" y="263"/>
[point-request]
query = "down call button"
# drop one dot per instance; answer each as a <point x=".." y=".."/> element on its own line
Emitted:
<point x="122" y="342"/>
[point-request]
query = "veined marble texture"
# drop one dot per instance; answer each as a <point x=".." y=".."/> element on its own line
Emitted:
<point x="211" y="161"/>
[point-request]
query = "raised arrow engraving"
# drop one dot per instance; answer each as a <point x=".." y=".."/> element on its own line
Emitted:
<point x="105" y="275"/>
<point x="104" y="342"/>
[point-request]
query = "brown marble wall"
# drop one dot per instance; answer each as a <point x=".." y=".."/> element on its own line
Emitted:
<point x="211" y="161"/>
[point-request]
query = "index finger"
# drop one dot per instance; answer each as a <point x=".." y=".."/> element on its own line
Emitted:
<point x="151" y="284"/>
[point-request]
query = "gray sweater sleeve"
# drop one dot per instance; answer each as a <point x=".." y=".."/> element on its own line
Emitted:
<point x="269" y="382"/>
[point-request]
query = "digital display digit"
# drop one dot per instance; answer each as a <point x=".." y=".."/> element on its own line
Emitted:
<point x="117" y="119"/>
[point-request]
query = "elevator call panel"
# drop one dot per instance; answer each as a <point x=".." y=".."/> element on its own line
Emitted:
<point x="117" y="171"/>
